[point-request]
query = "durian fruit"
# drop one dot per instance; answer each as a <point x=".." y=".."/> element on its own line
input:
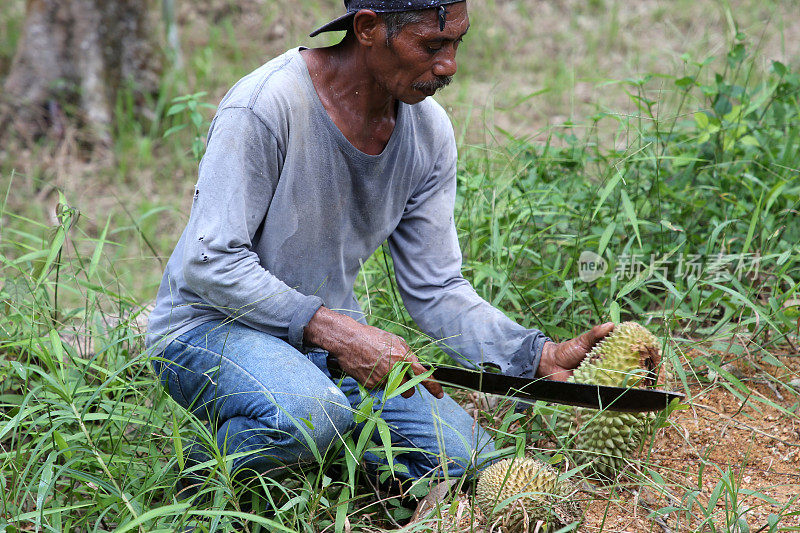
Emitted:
<point x="541" y="496"/>
<point x="628" y="357"/>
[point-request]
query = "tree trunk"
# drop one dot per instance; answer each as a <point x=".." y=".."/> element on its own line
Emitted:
<point x="72" y="60"/>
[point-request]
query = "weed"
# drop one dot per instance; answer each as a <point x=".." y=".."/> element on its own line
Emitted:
<point x="190" y="107"/>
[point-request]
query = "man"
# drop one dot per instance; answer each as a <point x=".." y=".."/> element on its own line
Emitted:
<point x="313" y="161"/>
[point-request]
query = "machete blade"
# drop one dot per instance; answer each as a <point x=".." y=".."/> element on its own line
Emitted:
<point x="630" y="400"/>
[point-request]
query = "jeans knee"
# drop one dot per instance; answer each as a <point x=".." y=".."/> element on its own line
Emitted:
<point x="334" y="417"/>
<point x="324" y="415"/>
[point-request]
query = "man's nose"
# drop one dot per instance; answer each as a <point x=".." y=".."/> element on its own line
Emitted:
<point x="446" y="65"/>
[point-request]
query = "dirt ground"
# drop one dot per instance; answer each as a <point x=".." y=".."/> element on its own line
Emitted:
<point x="719" y="433"/>
<point x="738" y="442"/>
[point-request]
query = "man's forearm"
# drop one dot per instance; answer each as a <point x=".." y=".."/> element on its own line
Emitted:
<point x="330" y="330"/>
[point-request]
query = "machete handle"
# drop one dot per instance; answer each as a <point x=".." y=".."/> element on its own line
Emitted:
<point x="334" y="368"/>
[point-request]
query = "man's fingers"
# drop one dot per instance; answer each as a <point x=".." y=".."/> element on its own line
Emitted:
<point x="416" y="367"/>
<point x="560" y="374"/>
<point x="597" y="333"/>
<point x="409" y="393"/>
<point x="433" y="386"/>
<point x="430" y="384"/>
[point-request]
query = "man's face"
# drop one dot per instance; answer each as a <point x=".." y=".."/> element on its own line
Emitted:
<point x="421" y="58"/>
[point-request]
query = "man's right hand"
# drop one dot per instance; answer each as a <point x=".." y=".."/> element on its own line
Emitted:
<point x="364" y="352"/>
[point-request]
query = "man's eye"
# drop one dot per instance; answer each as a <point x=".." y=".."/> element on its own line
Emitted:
<point x="434" y="49"/>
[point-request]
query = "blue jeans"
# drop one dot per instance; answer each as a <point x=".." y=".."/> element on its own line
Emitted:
<point x="261" y="395"/>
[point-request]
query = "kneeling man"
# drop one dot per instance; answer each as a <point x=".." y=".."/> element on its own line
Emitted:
<point x="313" y="161"/>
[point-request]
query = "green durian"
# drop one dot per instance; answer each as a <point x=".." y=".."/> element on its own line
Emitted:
<point x="542" y="497"/>
<point x="629" y="357"/>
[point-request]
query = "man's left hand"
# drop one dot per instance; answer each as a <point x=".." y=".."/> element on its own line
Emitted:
<point x="560" y="359"/>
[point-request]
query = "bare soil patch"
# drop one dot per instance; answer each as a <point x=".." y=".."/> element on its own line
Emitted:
<point x="756" y="444"/>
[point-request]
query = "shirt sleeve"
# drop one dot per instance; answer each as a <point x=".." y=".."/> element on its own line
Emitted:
<point x="238" y="176"/>
<point x="427" y="264"/>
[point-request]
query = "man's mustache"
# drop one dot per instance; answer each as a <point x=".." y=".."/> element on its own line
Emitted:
<point x="433" y="85"/>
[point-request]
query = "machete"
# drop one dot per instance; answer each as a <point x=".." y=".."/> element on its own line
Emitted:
<point x="631" y="400"/>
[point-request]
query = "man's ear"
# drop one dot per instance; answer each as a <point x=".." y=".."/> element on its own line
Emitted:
<point x="369" y="28"/>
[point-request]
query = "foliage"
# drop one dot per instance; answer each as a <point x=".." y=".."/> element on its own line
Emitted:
<point x="705" y="173"/>
<point x="695" y="219"/>
<point x="191" y="107"/>
<point x="88" y="435"/>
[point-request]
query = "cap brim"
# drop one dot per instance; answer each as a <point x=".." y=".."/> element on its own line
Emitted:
<point x="342" y="23"/>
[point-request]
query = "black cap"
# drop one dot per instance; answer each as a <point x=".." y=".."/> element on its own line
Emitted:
<point x="378" y="6"/>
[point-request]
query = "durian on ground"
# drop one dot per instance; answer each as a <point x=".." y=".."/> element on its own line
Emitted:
<point x="518" y="493"/>
<point x="629" y="357"/>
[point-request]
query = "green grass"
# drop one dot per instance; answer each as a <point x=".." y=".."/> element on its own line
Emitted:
<point x="701" y="169"/>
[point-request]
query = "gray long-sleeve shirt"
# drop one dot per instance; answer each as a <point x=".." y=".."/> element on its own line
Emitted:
<point x="286" y="210"/>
